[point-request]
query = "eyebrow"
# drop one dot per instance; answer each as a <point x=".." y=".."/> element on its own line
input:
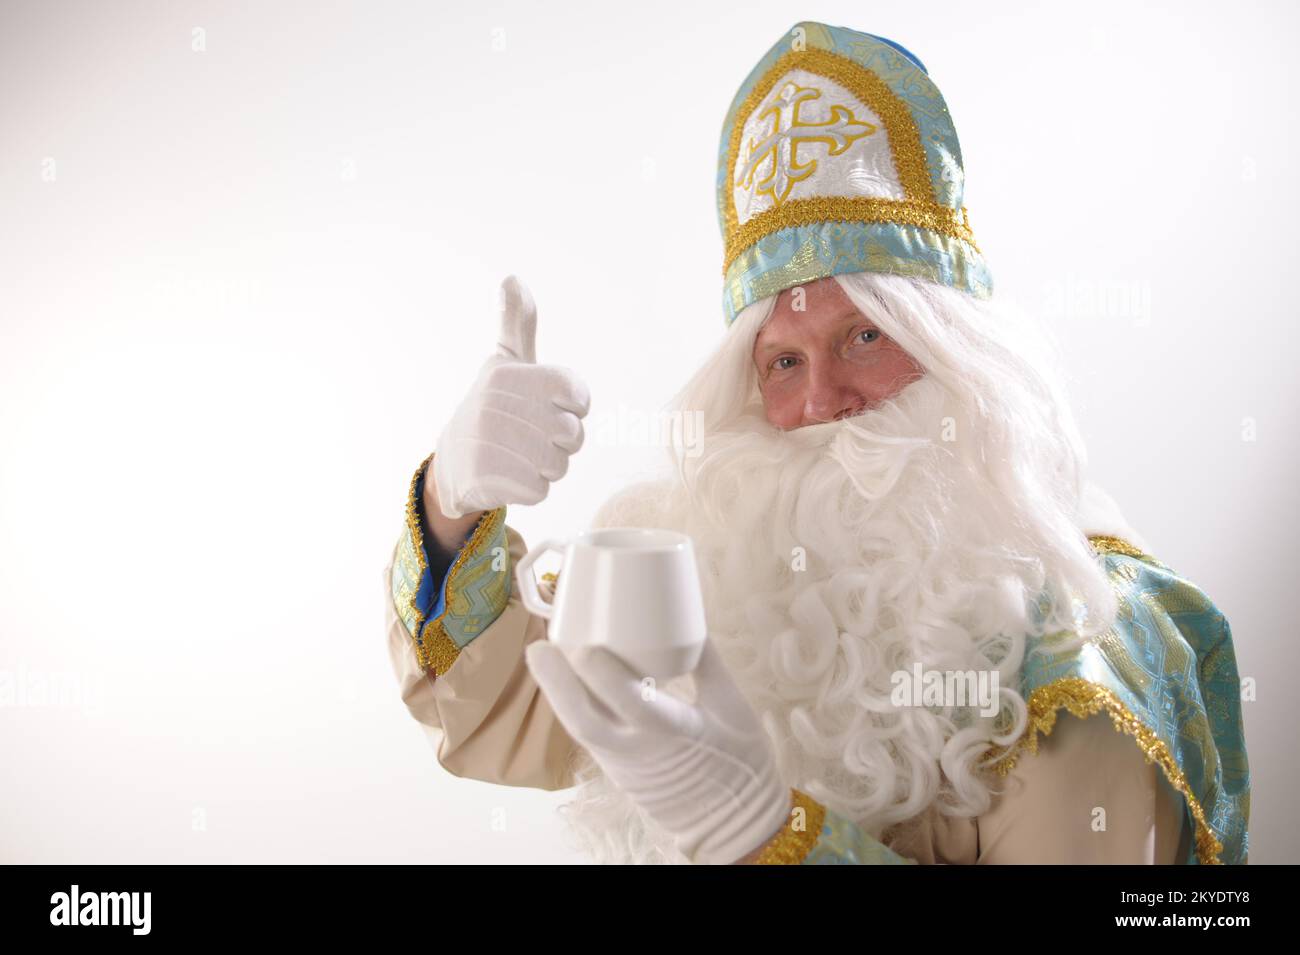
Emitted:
<point x="763" y="348"/>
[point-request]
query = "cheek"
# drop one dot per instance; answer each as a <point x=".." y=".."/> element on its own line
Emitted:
<point x="895" y="371"/>
<point x="783" y="407"/>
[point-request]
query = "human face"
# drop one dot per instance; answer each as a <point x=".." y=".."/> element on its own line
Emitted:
<point x="826" y="361"/>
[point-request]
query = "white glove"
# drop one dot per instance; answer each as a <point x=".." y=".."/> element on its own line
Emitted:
<point x="706" y="773"/>
<point x="513" y="433"/>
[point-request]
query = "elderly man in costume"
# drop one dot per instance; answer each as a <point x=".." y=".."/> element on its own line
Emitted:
<point x="888" y="481"/>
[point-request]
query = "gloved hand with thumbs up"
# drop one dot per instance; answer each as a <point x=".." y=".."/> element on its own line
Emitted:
<point x="514" y="431"/>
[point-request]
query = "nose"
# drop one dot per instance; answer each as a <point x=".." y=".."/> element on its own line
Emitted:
<point x="832" y="393"/>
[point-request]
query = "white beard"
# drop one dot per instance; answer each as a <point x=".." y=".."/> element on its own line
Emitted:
<point x="906" y="555"/>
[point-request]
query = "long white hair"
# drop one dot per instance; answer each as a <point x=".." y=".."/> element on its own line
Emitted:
<point x="938" y="528"/>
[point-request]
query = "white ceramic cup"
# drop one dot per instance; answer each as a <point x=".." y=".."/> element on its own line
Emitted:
<point x="633" y="590"/>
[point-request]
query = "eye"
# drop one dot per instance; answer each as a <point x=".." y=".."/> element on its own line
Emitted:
<point x="872" y="333"/>
<point x="777" y="366"/>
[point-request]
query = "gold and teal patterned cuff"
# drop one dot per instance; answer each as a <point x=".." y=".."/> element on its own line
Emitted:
<point x="443" y="619"/>
<point x="818" y="836"/>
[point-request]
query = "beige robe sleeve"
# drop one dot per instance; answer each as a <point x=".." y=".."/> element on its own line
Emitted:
<point x="485" y="717"/>
<point x="1046" y="809"/>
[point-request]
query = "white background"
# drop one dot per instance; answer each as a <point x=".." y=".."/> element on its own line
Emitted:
<point x="241" y="289"/>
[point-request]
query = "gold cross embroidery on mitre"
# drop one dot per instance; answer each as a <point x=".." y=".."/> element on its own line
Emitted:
<point x="788" y="131"/>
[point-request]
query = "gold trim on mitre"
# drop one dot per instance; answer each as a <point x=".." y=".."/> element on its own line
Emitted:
<point x="917" y="208"/>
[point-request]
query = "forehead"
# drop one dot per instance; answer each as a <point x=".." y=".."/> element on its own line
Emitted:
<point x="818" y="294"/>
<point x="807" y="309"/>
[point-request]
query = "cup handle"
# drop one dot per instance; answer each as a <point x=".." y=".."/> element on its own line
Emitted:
<point x="527" y="584"/>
